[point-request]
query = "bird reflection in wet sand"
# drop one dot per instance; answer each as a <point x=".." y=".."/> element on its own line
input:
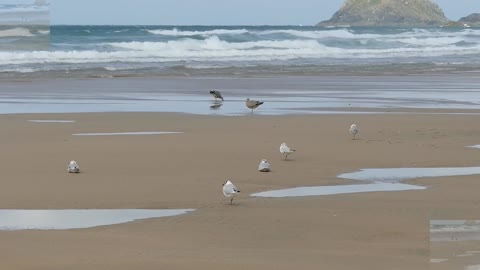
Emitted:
<point x="216" y="105"/>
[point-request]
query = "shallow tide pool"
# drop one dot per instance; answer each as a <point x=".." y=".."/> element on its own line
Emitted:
<point x="126" y="133"/>
<point x="52" y="121"/>
<point x="386" y="179"/>
<point x="77" y="219"/>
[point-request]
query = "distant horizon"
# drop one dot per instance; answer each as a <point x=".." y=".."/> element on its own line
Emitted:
<point x="248" y="25"/>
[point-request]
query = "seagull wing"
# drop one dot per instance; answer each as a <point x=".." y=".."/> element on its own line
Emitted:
<point x="285" y="149"/>
<point x="230" y="189"/>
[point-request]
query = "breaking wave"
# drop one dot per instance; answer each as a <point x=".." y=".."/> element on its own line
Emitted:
<point x="212" y="47"/>
<point x="16" y="32"/>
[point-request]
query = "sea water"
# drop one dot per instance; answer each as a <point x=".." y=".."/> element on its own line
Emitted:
<point x="86" y="51"/>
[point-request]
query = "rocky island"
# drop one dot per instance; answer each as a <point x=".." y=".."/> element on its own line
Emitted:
<point x="388" y="13"/>
<point x="471" y="20"/>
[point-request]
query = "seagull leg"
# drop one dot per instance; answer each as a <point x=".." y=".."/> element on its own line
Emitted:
<point x="231" y="201"/>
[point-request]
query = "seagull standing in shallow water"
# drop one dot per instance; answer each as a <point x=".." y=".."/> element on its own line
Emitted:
<point x="216" y="94"/>
<point x="264" y="166"/>
<point x="285" y="150"/>
<point x="229" y="190"/>
<point x="353" y="130"/>
<point x="73" y="167"/>
<point x="253" y="104"/>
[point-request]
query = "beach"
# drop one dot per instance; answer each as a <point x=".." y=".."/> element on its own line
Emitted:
<point x="377" y="230"/>
<point x="454" y="244"/>
<point x="455" y="255"/>
<point x="115" y="154"/>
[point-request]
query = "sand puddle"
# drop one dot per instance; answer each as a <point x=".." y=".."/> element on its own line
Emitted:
<point x="333" y="190"/>
<point x="77" y="219"/>
<point x="401" y="174"/>
<point x="51" y="121"/>
<point x="378" y="180"/>
<point x="438" y="260"/>
<point x="126" y="133"/>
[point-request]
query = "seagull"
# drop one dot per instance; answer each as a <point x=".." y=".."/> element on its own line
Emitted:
<point x="353" y="130"/>
<point x="253" y="104"/>
<point x="264" y="166"/>
<point x="229" y="190"/>
<point x="285" y="150"/>
<point x="73" y="167"/>
<point x="216" y="94"/>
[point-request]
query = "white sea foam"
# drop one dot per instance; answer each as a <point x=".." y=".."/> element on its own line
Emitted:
<point x="437" y="41"/>
<point x="462" y="228"/>
<point x="16" y="32"/>
<point x="322" y="34"/>
<point x="214" y="49"/>
<point x="176" y="32"/>
<point x="144" y="52"/>
<point x="22" y="8"/>
<point x="20" y="70"/>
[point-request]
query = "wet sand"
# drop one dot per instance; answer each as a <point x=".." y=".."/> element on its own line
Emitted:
<point x="460" y="254"/>
<point x="439" y="93"/>
<point x="352" y="231"/>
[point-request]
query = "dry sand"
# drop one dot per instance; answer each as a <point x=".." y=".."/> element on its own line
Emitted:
<point x="357" y="231"/>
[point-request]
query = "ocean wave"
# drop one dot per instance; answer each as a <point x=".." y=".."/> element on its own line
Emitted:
<point x="176" y="32"/>
<point x="214" y="43"/>
<point x="324" y="33"/>
<point x="339" y="37"/>
<point x="16" y="32"/>
<point x="214" y="49"/>
<point x="458" y="228"/>
<point x="23" y="8"/>
<point x="20" y="70"/>
<point x="438" y="41"/>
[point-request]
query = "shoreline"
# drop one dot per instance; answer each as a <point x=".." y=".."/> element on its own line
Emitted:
<point x="282" y="95"/>
<point x="9" y="76"/>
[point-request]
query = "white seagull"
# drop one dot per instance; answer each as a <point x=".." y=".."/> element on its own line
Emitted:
<point x="73" y="167"/>
<point x="285" y="150"/>
<point x="264" y="166"/>
<point x="229" y="190"/>
<point x="353" y="130"/>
